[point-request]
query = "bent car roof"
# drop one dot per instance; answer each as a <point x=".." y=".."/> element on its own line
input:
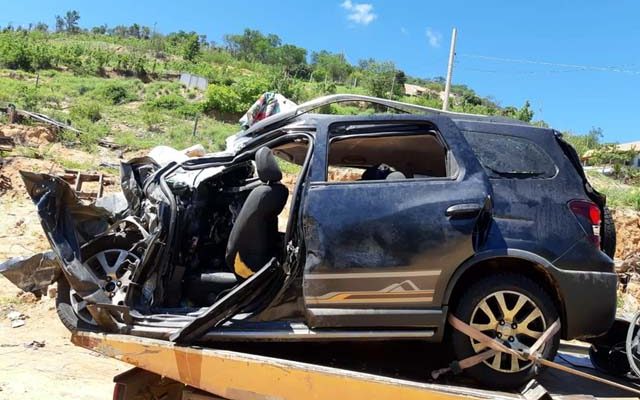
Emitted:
<point x="295" y="119"/>
<point x="304" y="108"/>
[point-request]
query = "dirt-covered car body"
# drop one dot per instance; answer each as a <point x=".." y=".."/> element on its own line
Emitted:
<point x="371" y="257"/>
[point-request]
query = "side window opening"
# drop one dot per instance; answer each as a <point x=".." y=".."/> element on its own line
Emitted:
<point x="510" y="157"/>
<point x="388" y="156"/>
<point x="290" y="157"/>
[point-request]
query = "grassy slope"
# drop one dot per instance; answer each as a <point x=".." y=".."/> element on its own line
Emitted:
<point x="66" y="97"/>
<point x="618" y="194"/>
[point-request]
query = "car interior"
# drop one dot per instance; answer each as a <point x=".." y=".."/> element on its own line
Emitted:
<point x="229" y="236"/>
<point x="388" y="154"/>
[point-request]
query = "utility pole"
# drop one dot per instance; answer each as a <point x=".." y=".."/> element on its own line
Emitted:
<point x="447" y="87"/>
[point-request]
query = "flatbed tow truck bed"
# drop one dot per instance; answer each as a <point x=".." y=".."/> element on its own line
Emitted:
<point x="278" y="373"/>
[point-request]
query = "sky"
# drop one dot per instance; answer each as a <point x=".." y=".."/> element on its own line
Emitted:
<point x="577" y="62"/>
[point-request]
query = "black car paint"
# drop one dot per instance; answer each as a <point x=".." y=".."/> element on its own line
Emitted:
<point x="529" y="221"/>
<point x="399" y="227"/>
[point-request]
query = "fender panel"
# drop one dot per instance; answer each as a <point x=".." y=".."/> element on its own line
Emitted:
<point x="587" y="298"/>
<point x="488" y="255"/>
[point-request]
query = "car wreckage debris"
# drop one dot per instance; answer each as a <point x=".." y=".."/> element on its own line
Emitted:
<point x="17" y="319"/>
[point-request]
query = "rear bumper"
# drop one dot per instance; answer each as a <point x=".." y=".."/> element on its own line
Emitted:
<point x="589" y="302"/>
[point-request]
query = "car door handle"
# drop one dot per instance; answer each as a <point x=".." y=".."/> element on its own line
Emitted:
<point x="465" y="210"/>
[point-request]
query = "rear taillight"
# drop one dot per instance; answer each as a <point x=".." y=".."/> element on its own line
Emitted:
<point x="586" y="210"/>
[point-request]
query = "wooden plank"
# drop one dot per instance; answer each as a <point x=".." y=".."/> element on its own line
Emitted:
<point x="101" y="186"/>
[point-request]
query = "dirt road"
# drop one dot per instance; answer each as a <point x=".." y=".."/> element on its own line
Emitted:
<point x="59" y="370"/>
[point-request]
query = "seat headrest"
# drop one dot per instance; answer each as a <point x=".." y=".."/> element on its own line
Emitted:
<point x="376" y="172"/>
<point x="266" y="166"/>
<point x="396" y="176"/>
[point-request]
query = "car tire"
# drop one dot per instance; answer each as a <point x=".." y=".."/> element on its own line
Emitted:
<point x="511" y="287"/>
<point x="608" y="233"/>
<point x="65" y="310"/>
<point x="610" y="361"/>
<point x="64" y="303"/>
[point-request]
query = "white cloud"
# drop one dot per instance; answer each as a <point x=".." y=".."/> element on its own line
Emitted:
<point x="360" y="13"/>
<point x="434" y="37"/>
<point x="404" y="30"/>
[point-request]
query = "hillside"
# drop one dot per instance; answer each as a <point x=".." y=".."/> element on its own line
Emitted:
<point x="122" y="82"/>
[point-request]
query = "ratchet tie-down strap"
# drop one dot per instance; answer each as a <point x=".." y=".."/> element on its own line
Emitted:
<point x="494" y="346"/>
<point x="532" y="354"/>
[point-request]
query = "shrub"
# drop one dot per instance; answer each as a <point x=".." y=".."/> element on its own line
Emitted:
<point x="222" y="98"/>
<point x="92" y="132"/>
<point x="87" y="110"/>
<point x="189" y="110"/>
<point x="115" y="93"/>
<point x="28" y="97"/>
<point x="173" y="102"/>
<point x="14" y="51"/>
<point x="151" y="119"/>
<point x="166" y="102"/>
<point x="249" y="90"/>
<point x="609" y="154"/>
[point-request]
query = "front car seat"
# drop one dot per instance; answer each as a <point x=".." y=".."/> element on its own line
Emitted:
<point x="254" y="237"/>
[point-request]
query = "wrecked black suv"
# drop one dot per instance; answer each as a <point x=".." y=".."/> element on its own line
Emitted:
<point x="390" y="223"/>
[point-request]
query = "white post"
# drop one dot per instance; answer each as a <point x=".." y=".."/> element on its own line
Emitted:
<point x="447" y="87"/>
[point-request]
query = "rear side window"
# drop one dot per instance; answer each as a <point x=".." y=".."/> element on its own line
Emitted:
<point x="504" y="156"/>
<point x="386" y="157"/>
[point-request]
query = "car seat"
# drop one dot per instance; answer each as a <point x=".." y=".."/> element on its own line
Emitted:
<point x="254" y="237"/>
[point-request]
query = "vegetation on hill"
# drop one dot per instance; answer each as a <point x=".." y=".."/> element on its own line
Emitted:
<point x="121" y="80"/>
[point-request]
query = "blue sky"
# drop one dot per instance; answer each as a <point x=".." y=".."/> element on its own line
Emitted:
<point x="578" y="63"/>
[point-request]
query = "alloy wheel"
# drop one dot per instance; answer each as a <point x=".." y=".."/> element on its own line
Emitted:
<point x="513" y="318"/>
<point x="113" y="267"/>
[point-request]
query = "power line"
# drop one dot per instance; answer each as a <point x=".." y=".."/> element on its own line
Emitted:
<point x="553" y="64"/>
<point x="503" y="72"/>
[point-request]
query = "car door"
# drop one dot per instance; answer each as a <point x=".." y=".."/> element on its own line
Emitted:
<point x="377" y="250"/>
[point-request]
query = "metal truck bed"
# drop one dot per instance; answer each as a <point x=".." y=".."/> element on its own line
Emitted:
<point x="243" y="376"/>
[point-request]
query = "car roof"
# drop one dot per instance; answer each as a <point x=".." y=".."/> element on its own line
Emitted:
<point x="303" y="118"/>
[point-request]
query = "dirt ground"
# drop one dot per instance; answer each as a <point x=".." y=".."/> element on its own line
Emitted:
<point x="59" y="370"/>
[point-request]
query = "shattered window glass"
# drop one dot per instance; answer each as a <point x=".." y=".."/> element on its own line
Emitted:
<point x="505" y="156"/>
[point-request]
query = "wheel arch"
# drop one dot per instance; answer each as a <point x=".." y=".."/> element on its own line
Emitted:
<point x="531" y="265"/>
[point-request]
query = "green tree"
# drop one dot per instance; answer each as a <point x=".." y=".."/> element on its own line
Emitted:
<point x="71" y="19"/>
<point x="292" y="58"/>
<point x="41" y="27"/>
<point x="252" y="45"/>
<point x="525" y="113"/>
<point x="191" y="48"/>
<point x="586" y="142"/>
<point x="380" y="78"/>
<point x="100" y="30"/>
<point x="59" y="24"/>
<point x="330" y="66"/>
<point x="134" y="31"/>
